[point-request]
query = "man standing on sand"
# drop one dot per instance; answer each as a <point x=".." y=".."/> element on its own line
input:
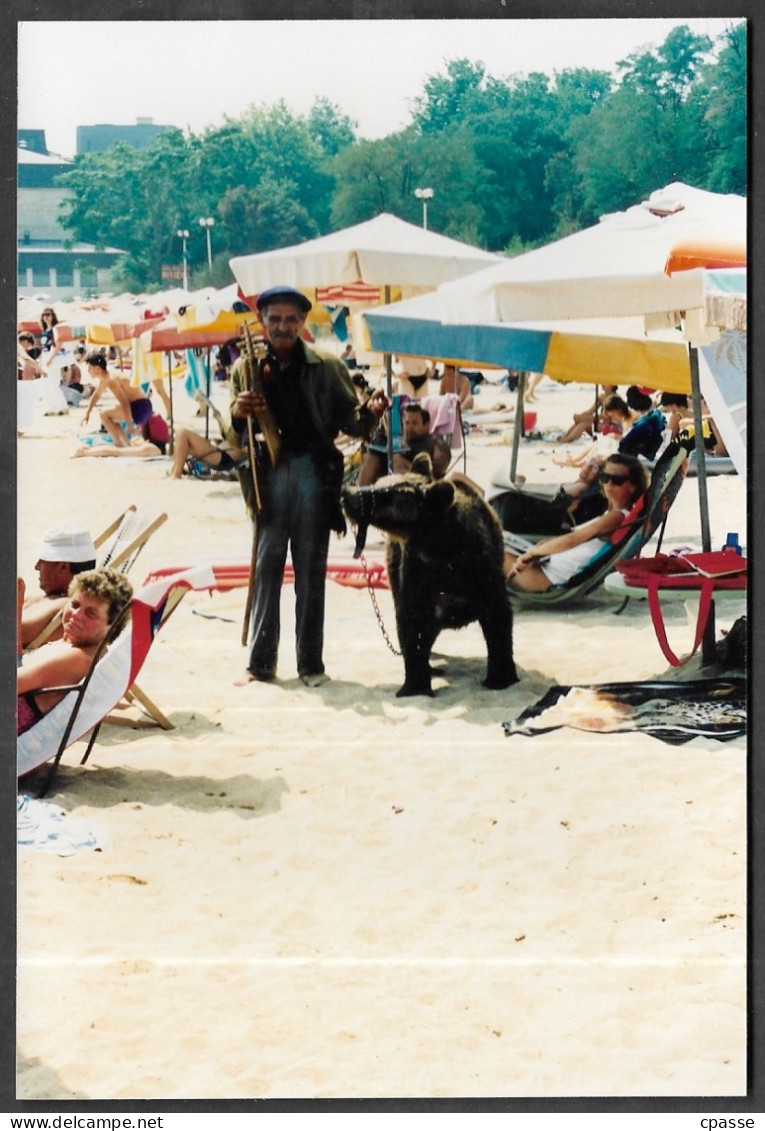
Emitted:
<point x="67" y="549"/>
<point x="312" y="399"/>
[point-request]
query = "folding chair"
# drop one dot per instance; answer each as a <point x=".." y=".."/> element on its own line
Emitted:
<point x="86" y="705"/>
<point x="124" y="539"/>
<point x="627" y="540"/>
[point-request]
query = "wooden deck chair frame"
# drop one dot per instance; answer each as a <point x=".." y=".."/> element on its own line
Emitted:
<point x="666" y="480"/>
<point x="121" y="557"/>
<point x="115" y="658"/>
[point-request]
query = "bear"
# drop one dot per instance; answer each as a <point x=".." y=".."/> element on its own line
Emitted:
<point x="444" y="559"/>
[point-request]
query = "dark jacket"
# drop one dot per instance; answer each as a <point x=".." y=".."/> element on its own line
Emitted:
<point x="333" y="406"/>
<point x="329" y="393"/>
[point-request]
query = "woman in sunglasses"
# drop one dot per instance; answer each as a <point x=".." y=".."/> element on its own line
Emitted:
<point x="554" y="560"/>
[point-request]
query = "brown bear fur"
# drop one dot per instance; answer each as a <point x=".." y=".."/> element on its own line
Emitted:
<point x="444" y="564"/>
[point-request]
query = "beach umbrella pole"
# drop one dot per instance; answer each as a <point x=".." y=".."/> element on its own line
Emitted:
<point x="708" y="644"/>
<point x="209" y="388"/>
<point x="389" y="391"/>
<point x="170" y="387"/>
<point x="517" y="426"/>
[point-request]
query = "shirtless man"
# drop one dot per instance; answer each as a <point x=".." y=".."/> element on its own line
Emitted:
<point x="67" y="550"/>
<point x="133" y="406"/>
<point x="454" y="382"/>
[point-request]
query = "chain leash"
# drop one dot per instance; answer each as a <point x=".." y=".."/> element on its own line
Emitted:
<point x="371" y="591"/>
<point x="376" y="607"/>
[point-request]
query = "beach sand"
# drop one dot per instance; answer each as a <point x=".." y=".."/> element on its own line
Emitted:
<point x="325" y="893"/>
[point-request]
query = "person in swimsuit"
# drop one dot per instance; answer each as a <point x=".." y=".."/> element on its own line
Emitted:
<point x="133" y="406"/>
<point x="413" y="374"/>
<point x="453" y="381"/>
<point x="96" y="598"/>
<point x="554" y="561"/>
<point x="221" y="456"/>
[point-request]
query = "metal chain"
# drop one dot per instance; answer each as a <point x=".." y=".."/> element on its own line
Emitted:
<point x="376" y="607"/>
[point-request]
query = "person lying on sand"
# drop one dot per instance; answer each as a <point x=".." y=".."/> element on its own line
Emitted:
<point x="135" y="448"/>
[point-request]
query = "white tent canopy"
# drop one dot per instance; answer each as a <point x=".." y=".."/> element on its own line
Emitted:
<point x="384" y="251"/>
<point x="613" y="269"/>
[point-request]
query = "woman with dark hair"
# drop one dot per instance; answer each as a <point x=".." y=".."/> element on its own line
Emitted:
<point x="48" y="319"/>
<point x="554" y="561"/>
<point x="646" y="434"/>
<point x="590" y="420"/>
<point x="674" y="407"/>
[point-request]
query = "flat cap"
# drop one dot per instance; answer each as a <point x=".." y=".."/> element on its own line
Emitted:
<point x="283" y="294"/>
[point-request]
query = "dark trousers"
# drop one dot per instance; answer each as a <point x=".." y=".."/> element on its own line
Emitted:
<point x="296" y="520"/>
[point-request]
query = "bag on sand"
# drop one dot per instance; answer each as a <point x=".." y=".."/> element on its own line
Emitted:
<point x="719" y="569"/>
<point x="156" y="430"/>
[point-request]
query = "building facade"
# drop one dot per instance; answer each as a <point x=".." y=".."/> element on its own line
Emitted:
<point x="47" y="261"/>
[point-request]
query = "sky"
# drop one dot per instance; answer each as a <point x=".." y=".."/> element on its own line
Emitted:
<point x="192" y="74"/>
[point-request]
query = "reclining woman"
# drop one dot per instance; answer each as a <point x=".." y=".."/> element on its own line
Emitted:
<point x="220" y="456"/>
<point x="554" y="561"/>
<point x="96" y="598"/>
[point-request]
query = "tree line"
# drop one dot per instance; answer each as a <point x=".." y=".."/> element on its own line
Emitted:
<point x="513" y="163"/>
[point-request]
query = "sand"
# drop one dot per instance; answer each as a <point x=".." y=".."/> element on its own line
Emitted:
<point x="336" y="893"/>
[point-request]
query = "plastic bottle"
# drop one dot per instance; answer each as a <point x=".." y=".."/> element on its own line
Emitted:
<point x="731" y="544"/>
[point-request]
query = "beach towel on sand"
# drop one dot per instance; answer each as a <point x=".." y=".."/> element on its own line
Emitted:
<point x="47" y="827"/>
<point x="672" y="712"/>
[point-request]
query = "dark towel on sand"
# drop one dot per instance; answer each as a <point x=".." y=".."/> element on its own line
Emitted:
<point x="672" y="712"/>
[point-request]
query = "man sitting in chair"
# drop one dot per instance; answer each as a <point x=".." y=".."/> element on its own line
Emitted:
<point x="67" y="550"/>
<point x="417" y="438"/>
<point x="95" y="600"/>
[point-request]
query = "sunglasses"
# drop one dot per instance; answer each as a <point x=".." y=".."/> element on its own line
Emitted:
<point x="617" y="480"/>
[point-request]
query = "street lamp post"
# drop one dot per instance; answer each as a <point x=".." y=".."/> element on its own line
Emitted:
<point x="424" y="194"/>
<point x="183" y="234"/>
<point x="207" y="222"/>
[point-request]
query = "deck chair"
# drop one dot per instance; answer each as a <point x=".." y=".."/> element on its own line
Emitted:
<point x="122" y="542"/>
<point x="87" y="704"/>
<point x="628" y="540"/>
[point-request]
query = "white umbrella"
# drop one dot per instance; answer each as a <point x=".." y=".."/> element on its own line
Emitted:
<point x="631" y="263"/>
<point x="647" y="261"/>
<point x="384" y="251"/>
<point x="613" y="269"/>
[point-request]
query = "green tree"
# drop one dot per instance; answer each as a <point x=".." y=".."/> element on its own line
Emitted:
<point x="463" y="94"/>
<point x="514" y="146"/>
<point x="330" y="128"/>
<point x="381" y="176"/>
<point x="648" y="132"/>
<point x="130" y="199"/>
<point x="265" y="217"/>
<point x="721" y="90"/>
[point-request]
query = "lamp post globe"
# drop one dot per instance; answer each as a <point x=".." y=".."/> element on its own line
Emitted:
<point x="207" y="223"/>
<point x="424" y="194"/>
<point x="183" y="235"/>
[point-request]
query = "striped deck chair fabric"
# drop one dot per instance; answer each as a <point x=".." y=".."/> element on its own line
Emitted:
<point x="112" y="674"/>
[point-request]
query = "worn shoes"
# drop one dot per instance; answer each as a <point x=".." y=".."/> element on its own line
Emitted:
<point x="314" y="679"/>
